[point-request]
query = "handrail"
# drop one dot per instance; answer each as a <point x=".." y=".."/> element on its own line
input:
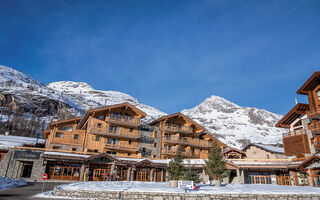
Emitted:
<point x="126" y="120"/>
<point x="122" y="147"/>
<point x="294" y="133"/>
<point x="188" y="141"/>
<point x="118" y="132"/>
<point x="175" y="127"/>
<point x="313" y="112"/>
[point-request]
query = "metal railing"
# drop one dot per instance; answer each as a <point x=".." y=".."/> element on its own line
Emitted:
<point x="187" y="141"/>
<point x="313" y="112"/>
<point x="294" y="133"/>
<point x="122" y="147"/>
<point x="123" y="120"/>
<point x="178" y="128"/>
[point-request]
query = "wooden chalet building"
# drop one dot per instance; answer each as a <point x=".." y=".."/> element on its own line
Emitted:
<point x="302" y="139"/>
<point x="178" y="130"/>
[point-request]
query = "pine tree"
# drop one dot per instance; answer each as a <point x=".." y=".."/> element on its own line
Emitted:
<point x="190" y="173"/>
<point x="215" y="166"/>
<point x="176" y="169"/>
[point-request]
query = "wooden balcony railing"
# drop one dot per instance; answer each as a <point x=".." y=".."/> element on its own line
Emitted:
<point x="131" y="148"/>
<point x="187" y="141"/>
<point x="173" y="152"/>
<point x="178" y="128"/>
<point x="120" y="132"/>
<point x="313" y="112"/>
<point x="294" y="133"/>
<point x="315" y="126"/>
<point x="123" y="120"/>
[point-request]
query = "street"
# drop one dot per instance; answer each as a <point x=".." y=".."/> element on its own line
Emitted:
<point x="26" y="192"/>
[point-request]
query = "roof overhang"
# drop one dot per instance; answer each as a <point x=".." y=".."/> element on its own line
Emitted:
<point x="310" y="84"/>
<point x="297" y="111"/>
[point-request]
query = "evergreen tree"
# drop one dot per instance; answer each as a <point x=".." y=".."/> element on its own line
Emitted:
<point x="176" y="169"/>
<point x="215" y="166"/>
<point x="190" y="173"/>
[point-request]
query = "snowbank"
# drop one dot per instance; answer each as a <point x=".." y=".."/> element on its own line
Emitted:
<point x="203" y="189"/>
<point x="6" y="183"/>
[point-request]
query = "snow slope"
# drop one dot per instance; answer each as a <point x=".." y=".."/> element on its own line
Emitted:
<point x="236" y="125"/>
<point x="85" y="96"/>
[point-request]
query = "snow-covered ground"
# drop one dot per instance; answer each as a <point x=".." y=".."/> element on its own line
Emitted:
<point x="202" y="189"/>
<point x="6" y="183"/>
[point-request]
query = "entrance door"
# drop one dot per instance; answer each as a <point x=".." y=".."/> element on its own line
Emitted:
<point x="64" y="173"/>
<point x="26" y="171"/>
<point x="143" y="174"/>
<point x="101" y="174"/>
<point x="158" y="176"/>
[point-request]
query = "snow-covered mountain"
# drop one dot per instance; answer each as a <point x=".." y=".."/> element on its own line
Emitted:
<point x="232" y="124"/>
<point x="235" y="125"/>
<point x="85" y="96"/>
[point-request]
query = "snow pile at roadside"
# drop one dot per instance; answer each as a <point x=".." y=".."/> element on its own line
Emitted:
<point x="6" y="183"/>
<point x="203" y="189"/>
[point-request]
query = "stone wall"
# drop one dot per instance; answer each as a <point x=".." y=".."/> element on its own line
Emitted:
<point x="147" y="142"/>
<point x="256" y="153"/>
<point x="181" y="196"/>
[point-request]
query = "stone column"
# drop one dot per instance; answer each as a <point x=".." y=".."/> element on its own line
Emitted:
<point x="129" y="174"/>
<point x="273" y="177"/>
<point x="82" y="170"/>
<point x="152" y="175"/>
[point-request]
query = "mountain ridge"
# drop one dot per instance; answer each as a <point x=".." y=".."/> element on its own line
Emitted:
<point x="229" y="122"/>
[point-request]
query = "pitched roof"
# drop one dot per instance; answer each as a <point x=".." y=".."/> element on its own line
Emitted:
<point x="233" y="149"/>
<point x="312" y="82"/>
<point x="76" y="120"/>
<point x="297" y="111"/>
<point x="265" y="147"/>
<point x="308" y="161"/>
<point x="179" y="114"/>
<point x="89" y="112"/>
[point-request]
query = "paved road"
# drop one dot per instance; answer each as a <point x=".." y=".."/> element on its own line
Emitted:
<point x="26" y="192"/>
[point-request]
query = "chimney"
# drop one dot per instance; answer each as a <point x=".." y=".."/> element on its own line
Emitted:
<point x="6" y="132"/>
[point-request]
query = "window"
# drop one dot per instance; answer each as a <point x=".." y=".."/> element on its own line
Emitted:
<point x="111" y="152"/>
<point x="100" y="117"/>
<point x="99" y="125"/>
<point x="154" y="144"/>
<point x="74" y="149"/>
<point x="268" y="156"/>
<point x="112" y="141"/>
<point x="114" y="129"/>
<point x="154" y="156"/>
<point x="129" y="141"/>
<point x="131" y="129"/>
<point x="128" y="117"/>
<point x="56" y="147"/>
<point x="66" y="128"/>
<point x="59" y="135"/>
<point x="97" y="138"/>
<point x="129" y="154"/>
<point x="143" y="149"/>
<point x="96" y="150"/>
<point x="116" y="116"/>
<point x="75" y="136"/>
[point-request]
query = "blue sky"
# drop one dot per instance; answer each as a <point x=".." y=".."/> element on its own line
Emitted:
<point x="169" y="54"/>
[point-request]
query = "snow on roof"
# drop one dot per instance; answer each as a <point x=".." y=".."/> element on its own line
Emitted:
<point x="10" y="141"/>
<point x="66" y="154"/>
<point x="266" y="147"/>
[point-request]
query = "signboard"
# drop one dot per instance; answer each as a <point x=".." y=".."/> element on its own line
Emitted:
<point x="186" y="185"/>
<point x="27" y="155"/>
<point x="44" y="177"/>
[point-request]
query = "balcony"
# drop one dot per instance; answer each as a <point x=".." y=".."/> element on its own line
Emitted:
<point x="296" y="142"/>
<point x="313" y="112"/>
<point x="315" y="127"/>
<point x="173" y="152"/>
<point x="187" y="141"/>
<point x="178" y="128"/>
<point x="128" y="121"/>
<point x="118" y="133"/>
<point x="122" y="147"/>
<point x="294" y="133"/>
